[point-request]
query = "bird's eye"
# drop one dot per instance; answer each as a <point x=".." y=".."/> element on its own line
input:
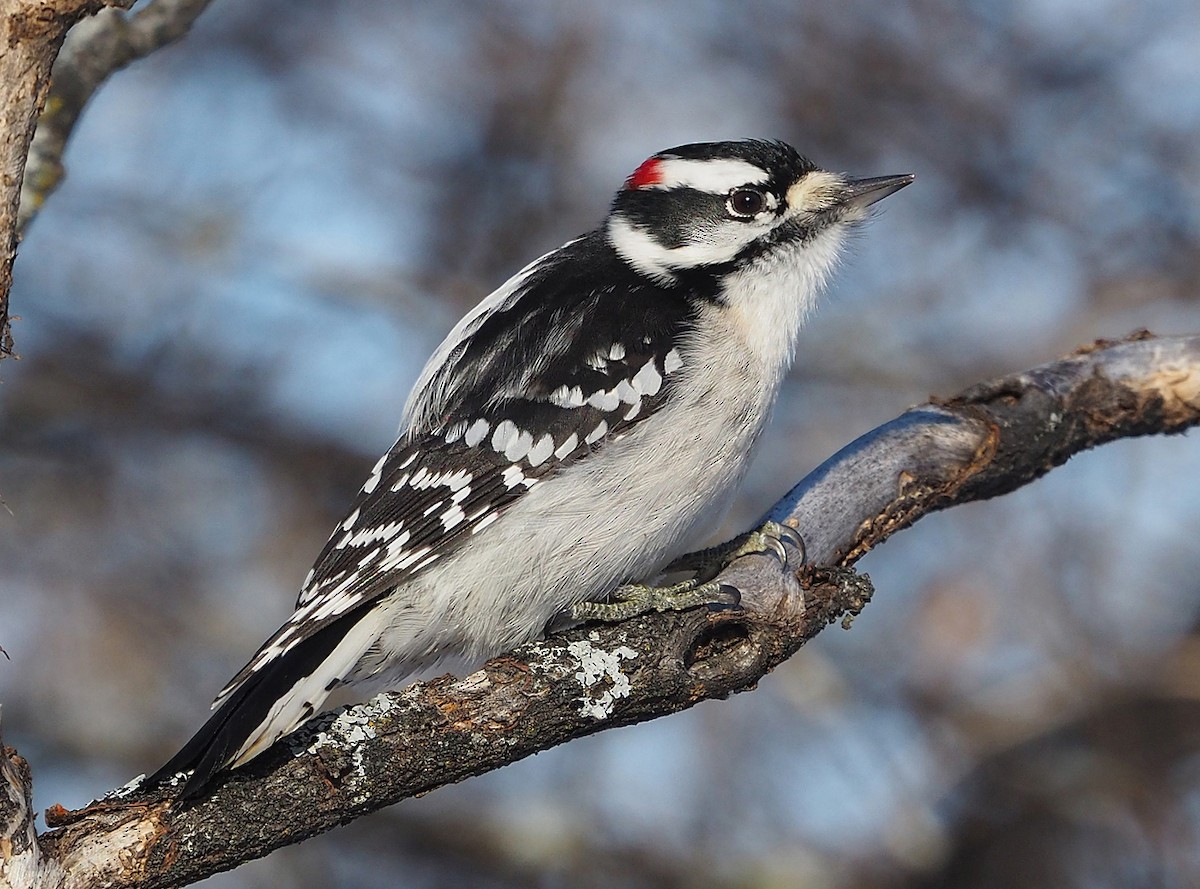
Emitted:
<point x="746" y="202"/>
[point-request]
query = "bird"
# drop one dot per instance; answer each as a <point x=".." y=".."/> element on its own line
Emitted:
<point x="578" y="431"/>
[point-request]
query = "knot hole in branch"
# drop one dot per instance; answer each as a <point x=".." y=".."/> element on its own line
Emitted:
<point x="719" y="647"/>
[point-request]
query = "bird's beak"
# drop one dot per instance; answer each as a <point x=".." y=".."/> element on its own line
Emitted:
<point x="862" y="193"/>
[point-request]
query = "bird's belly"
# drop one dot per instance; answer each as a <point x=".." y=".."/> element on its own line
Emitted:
<point x="604" y="521"/>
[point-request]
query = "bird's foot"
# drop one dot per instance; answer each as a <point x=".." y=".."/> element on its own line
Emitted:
<point x="639" y="598"/>
<point x="771" y="539"/>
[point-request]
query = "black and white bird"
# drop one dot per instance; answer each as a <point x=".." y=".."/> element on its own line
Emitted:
<point x="578" y="430"/>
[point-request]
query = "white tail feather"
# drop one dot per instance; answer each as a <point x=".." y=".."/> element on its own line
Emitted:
<point x="305" y="698"/>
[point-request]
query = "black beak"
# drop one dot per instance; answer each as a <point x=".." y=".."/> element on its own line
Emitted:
<point x="862" y="193"/>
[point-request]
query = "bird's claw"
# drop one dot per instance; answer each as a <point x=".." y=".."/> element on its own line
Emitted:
<point x="770" y="539"/>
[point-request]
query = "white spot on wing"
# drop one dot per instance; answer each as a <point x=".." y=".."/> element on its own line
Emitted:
<point x="396" y="548"/>
<point x="604" y="400"/>
<point x="672" y="362"/>
<point x="452" y="517"/>
<point x="411" y="557"/>
<point x="429" y="559"/>
<point x="598" y="433"/>
<point x="562" y="397"/>
<point x="505" y="434"/>
<point x="616" y="351"/>
<point x="485" y="521"/>
<point x="373" y="481"/>
<point x="371" y="535"/>
<point x="476" y="432"/>
<point x="519" y="446"/>
<point x="350" y="520"/>
<point x="394" y="553"/>
<point x="541" y="451"/>
<point x="567" y="446"/>
<point x="512" y="476"/>
<point x="648" y="380"/>
<point x="627" y="393"/>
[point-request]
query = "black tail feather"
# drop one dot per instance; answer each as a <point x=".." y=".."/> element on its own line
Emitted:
<point x="221" y="737"/>
<point x="219" y="740"/>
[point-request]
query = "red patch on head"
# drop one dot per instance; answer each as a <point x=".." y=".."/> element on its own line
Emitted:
<point x="649" y="173"/>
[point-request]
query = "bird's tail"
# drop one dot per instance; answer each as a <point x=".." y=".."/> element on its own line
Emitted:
<point x="270" y="701"/>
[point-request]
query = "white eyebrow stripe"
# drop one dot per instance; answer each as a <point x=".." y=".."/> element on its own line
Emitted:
<point x="717" y="176"/>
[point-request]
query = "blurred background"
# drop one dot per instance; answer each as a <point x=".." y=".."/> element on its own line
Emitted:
<point x="265" y="230"/>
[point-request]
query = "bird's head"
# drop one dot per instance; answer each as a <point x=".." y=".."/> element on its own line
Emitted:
<point x="721" y="205"/>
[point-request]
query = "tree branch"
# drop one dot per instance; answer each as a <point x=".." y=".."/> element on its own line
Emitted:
<point x="31" y="32"/>
<point x="992" y="439"/>
<point x="93" y="51"/>
<point x="31" y="35"/>
<point x="987" y="441"/>
<point x="21" y="862"/>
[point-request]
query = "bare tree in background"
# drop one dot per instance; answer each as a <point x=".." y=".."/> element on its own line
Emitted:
<point x="988" y="441"/>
